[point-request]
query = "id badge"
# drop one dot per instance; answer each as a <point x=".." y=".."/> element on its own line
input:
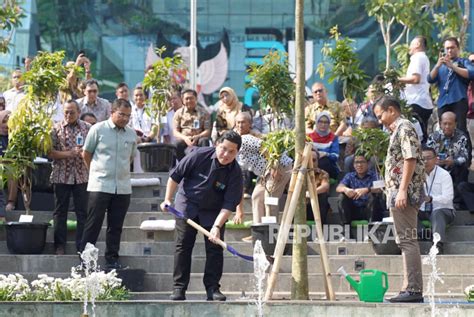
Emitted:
<point x="196" y="124"/>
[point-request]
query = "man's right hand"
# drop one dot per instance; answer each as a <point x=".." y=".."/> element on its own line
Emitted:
<point x="164" y="204"/>
<point x="349" y="192"/>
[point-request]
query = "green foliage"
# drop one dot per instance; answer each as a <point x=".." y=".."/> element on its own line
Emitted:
<point x="274" y="84"/>
<point x="393" y="87"/>
<point x="403" y="57"/>
<point x="275" y="144"/>
<point x="372" y="143"/>
<point x="30" y="124"/>
<point x="10" y="16"/>
<point x="162" y="80"/>
<point x="345" y="65"/>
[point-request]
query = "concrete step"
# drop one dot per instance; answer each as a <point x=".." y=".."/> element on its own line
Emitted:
<point x="232" y="264"/>
<point x="460" y="233"/>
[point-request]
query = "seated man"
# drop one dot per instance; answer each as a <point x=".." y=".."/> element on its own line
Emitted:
<point x="191" y="124"/>
<point x="356" y="199"/>
<point x="438" y="205"/>
<point x="453" y="148"/>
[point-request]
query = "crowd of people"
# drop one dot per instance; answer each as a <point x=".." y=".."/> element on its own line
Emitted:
<point x="219" y="162"/>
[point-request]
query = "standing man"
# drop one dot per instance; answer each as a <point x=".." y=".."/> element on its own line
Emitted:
<point x="91" y="102"/>
<point x="191" y="124"/>
<point x="14" y="95"/>
<point x="417" y="90"/>
<point x="69" y="174"/>
<point x="108" y="151"/>
<point x="404" y="180"/>
<point x="210" y="188"/>
<point x="122" y="91"/>
<point x="452" y="75"/>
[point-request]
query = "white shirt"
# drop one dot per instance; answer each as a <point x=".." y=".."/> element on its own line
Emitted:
<point x="251" y="158"/>
<point x="140" y="120"/>
<point x="441" y="190"/>
<point x="168" y="126"/>
<point x="13" y="98"/>
<point x="419" y="93"/>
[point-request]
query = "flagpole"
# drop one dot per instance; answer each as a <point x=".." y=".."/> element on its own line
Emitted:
<point x="192" y="47"/>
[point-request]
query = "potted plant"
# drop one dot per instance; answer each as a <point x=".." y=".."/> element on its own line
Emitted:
<point x="30" y="137"/>
<point x="276" y="91"/>
<point x="161" y="81"/>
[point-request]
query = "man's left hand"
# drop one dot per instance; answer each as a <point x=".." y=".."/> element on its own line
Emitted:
<point x="215" y="235"/>
<point x="401" y="201"/>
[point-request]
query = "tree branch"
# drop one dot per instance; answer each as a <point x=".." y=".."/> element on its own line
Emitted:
<point x="399" y="37"/>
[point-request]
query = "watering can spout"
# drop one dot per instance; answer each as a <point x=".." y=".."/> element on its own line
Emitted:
<point x="349" y="278"/>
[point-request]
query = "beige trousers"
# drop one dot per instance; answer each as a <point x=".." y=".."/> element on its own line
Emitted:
<point x="405" y="222"/>
<point x="259" y="193"/>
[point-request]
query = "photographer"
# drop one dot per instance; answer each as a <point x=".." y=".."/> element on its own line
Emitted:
<point x="438" y="206"/>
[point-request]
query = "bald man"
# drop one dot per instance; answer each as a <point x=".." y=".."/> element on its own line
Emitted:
<point x="417" y="90"/>
<point x="453" y="148"/>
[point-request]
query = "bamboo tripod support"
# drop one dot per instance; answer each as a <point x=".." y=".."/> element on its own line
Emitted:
<point x="296" y="185"/>
<point x="319" y="230"/>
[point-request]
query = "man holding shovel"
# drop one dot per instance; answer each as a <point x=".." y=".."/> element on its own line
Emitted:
<point x="210" y="188"/>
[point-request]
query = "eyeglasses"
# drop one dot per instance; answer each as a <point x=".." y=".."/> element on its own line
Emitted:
<point x="360" y="162"/>
<point x="379" y="117"/>
<point x="66" y="112"/>
<point x="318" y="91"/>
<point x="323" y="121"/>
<point x="427" y="158"/>
<point x="124" y="115"/>
<point x="92" y="91"/>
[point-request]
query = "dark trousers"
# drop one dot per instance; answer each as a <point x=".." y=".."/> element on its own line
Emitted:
<point x="323" y="208"/>
<point x="460" y="109"/>
<point x="116" y="207"/>
<point x="182" y="148"/>
<point x="422" y="115"/>
<point x="439" y="219"/>
<point x="185" y="239"/>
<point x="353" y="212"/>
<point x="466" y="191"/>
<point x="329" y="166"/>
<point x="248" y="178"/>
<point x="62" y="193"/>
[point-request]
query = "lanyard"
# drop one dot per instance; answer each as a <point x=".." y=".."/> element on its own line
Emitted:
<point x="432" y="181"/>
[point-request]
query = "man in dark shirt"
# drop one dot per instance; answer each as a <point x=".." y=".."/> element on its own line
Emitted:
<point x="356" y="188"/>
<point x="210" y="188"/>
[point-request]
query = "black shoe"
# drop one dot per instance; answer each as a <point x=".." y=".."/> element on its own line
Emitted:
<point x="215" y="294"/>
<point x="178" y="294"/>
<point x="407" y="297"/>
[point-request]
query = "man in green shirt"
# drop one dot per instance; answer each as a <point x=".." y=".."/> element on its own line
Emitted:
<point x="108" y="150"/>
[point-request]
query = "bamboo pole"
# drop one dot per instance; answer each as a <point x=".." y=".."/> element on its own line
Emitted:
<point x="319" y="230"/>
<point x="285" y="226"/>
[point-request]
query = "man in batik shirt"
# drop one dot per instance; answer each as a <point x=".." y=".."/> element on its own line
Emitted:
<point x="404" y="179"/>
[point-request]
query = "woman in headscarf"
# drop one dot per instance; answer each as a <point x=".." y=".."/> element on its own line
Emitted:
<point x="12" y="185"/>
<point x="326" y="143"/>
<point x="229" y="108"/>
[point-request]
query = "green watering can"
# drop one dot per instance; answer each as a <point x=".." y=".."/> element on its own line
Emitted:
<point x="372" y="284"/>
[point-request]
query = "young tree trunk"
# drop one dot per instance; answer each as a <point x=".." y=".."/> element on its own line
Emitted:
<point x="299" y="275"/>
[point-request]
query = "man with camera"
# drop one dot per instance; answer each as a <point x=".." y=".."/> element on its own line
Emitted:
<point x="438" y="206"/>
<point x="452" y="74"/>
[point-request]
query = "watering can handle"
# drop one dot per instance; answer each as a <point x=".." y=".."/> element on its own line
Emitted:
<point x="385" y="276"/>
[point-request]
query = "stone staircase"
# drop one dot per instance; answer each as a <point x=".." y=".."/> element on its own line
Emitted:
<point x="153" y="251"/>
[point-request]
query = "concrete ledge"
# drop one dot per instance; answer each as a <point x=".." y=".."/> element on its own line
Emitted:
<point x="244" y="308"/>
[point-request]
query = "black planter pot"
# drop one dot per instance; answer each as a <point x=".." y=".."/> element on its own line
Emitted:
<point x="40" y="177"/>
<point x="157" y="157"/>
<point x="267" y="234"/>
<point x="380" y="245"/>
<point x="26" y="237"/>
